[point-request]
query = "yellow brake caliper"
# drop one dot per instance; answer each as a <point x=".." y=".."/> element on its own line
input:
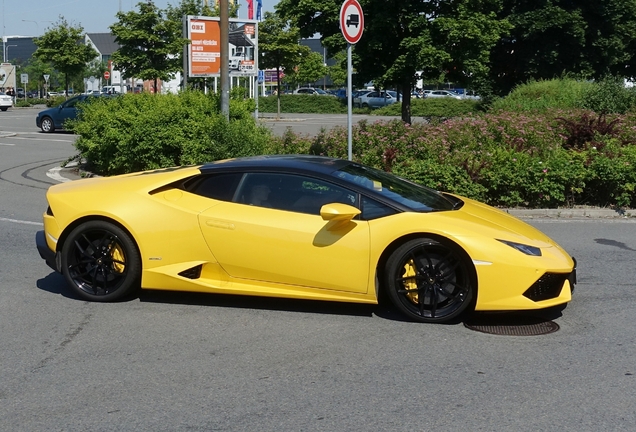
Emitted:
<point x="411" y="286"/>
<point x="118" y="255"/>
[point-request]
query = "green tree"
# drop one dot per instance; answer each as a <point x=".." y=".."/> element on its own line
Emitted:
<point x="279" y="47"/>
<point x="550" y="38"/>
<point x="310" y="68"/>
<point x="338" y="71"/>
<point x="36" y="69"/>
<point x="441" y="39"/>
<point x="63" y="46"/>
<point x="150" y="44"/>
<point x="198" y="8"/>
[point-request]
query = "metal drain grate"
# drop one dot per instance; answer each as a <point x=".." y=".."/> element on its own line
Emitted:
<point x="512" y="326"/>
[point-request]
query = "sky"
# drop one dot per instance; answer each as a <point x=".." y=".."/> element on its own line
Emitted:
<point x="32" y="17"/>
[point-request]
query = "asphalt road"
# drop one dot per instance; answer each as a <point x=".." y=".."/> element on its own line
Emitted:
<point x="165" y="361"/>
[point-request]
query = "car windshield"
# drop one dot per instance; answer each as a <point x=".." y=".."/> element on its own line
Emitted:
<point x="415" y="197"/>
<point x="320" y="91"/>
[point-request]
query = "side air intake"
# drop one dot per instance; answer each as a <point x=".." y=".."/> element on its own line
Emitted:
<point x="192" y="273"/>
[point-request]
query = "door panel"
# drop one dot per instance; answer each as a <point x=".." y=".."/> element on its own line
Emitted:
<point x="287" y="247"/>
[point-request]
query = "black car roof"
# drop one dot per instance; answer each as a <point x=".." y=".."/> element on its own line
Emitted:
<point x="296" y="163"/>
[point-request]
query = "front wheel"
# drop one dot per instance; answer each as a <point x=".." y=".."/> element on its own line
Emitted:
<point x="101" y="262"/>
<point x="430" y="280"/>
<point x="47" y="125"/>
<point x="4" y="108"/>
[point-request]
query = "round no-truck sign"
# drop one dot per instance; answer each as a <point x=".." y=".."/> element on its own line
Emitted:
<point x="106" y="75"/>
<point x="351" y="21"/>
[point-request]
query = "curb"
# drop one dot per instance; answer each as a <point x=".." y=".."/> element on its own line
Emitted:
<point x="574" y="213"/>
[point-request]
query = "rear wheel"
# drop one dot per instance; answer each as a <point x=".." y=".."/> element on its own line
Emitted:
<point x="101" y="262"/>
<point x="429" y="280"/>
<point x="47" y="125"/>
<point x="4" y="108"/>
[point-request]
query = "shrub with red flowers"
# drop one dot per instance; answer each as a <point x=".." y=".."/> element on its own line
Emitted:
<point x="550" y="159"/>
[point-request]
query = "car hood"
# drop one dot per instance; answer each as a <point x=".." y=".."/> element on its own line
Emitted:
<point x="495" y="223"/>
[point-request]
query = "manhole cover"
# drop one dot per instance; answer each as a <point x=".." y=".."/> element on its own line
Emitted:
<point x="512" y="326"/>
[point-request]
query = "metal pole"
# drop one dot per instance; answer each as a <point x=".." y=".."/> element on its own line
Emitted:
<point x="225" y="58"/>
<point x="4" y="46"/>
<point x="349" y="103"/>
<point x="186" y="70"/>
<point x="256" y="66"/>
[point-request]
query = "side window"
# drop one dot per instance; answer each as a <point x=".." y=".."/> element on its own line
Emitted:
<point x="217" y="186"/>
<point x="291" y="192"/>
<point x="71" y="103"/>
<point x="372" y="209"/>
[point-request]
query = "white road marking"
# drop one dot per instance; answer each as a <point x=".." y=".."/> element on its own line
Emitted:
<point x="21" y="221"/>
<point x="43" y="139"/>
<point x="4" y="144"/>
<point x="54" y="173"/>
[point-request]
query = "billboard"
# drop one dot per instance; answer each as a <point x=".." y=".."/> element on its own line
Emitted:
<point x="204" y="50"/>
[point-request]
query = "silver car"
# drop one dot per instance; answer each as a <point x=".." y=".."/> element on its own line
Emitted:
<point x="375" y="99"/>
<point x="443" y="94"/>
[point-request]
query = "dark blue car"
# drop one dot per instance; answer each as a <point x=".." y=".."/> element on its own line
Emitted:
<point x="54" y="118"/>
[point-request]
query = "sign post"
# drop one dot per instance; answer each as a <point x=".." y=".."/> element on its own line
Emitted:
<point x="352" y="26"/>
<point x="24" y="78"/>
<point x="46" y="84"/>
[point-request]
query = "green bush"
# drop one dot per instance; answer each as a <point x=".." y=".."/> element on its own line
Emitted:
<point x="609" y="96"/>
<point x="136" y="132"/>
<point x="433" y="108"/>
<point x="563" y="93"/>
<point x="310" y="104"/>
<point x="55" y="101"/>
<point x="22" y="103"/>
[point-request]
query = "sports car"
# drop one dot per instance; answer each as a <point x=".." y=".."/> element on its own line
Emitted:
<point x="304" y="227"/>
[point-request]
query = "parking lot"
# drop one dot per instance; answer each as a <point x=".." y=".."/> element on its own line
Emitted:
<point x="168" y="361"/>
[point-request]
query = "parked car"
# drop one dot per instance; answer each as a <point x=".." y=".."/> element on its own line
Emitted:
<point x="33" y="94"/>
<point x="312" y="91"/>
<point x="443" y="94"/>
<point x="301" y="227"/>
<point x="53" y="118"/>
<point x="376" y="99"/>
<point x="6" y="101"/>
<point x="19" y="93"/>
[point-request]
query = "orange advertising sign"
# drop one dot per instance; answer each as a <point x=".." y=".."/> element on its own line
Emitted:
<point x="205" y="48"/>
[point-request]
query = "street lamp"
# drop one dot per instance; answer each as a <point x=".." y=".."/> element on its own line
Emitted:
<point x="6" y="52"/>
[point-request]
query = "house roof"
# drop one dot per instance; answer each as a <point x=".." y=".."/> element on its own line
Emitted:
<point x="104" y="42"/>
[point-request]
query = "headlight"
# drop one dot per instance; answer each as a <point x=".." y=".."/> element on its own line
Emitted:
<point x="526" y="249"/>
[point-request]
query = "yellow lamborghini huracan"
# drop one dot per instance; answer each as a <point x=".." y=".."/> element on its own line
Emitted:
<point x="299" y="227"/>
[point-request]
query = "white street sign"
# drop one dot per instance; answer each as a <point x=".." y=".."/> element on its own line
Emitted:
<point x="351" y="21"/>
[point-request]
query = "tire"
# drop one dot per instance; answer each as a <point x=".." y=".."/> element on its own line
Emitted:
<point x="365" y="105"/>
<point x="47" y="125"/>
<point x="437" y="271"/>
<point x="101" y="262"/>
<point x="4" y="108"/>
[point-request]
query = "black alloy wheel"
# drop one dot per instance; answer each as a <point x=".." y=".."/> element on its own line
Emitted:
<point x="430" y="280"/>
<point x="101" y="262"/>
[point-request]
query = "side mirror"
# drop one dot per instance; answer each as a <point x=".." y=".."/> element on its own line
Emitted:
<point x="338" y="212"/>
